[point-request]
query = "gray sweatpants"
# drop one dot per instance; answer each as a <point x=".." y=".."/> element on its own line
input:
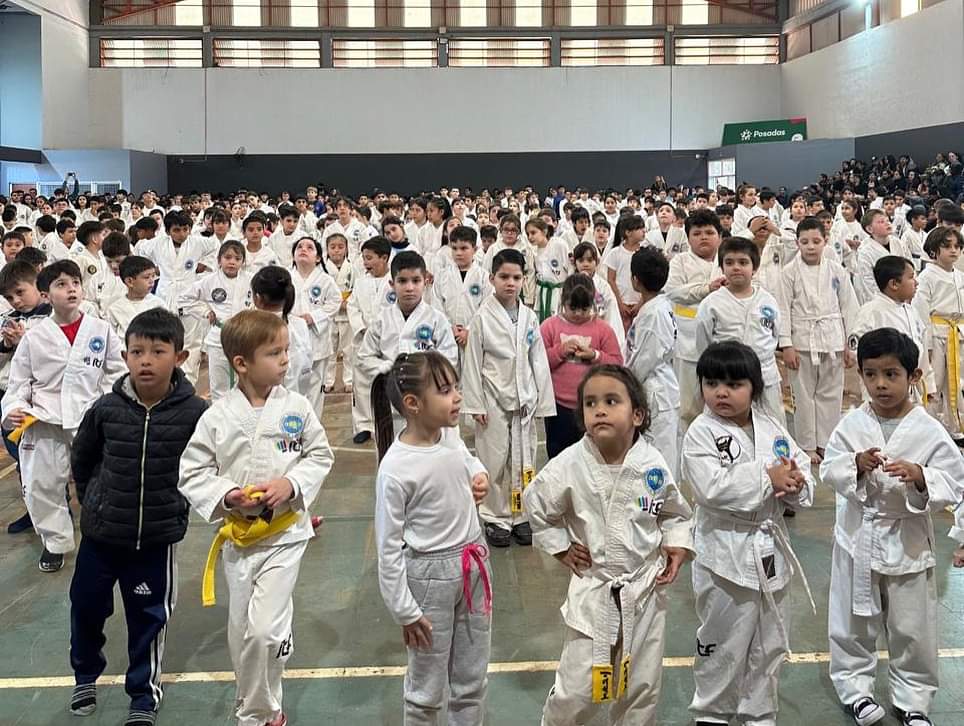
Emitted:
<point x="456" y="664"/>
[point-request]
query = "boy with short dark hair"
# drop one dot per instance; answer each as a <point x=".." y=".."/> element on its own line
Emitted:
<point x="138" y="275"/>
<point x="508" y="385"/>
<point x="891" y="465"/>
<point x="61" y="366"/>
<point x="123" y="469"/>
<point x="880" y="243"/>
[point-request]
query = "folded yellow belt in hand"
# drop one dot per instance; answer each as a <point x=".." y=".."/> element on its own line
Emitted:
<point x="15" y="435"/>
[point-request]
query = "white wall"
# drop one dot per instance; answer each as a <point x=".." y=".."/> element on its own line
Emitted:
<point x="65" y="71"/>
<point x="20" y="97"/>
<point x="422" y="110"/>
<point x="903" y="75"/>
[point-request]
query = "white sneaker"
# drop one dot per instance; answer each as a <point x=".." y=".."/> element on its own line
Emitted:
<point x="867" y="711"/>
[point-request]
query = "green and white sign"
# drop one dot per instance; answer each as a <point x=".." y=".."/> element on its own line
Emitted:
<point x="759" y="132"/>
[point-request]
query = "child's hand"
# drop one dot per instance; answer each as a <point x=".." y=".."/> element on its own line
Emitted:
<point x="675" y="557"/>
<point x="959" y="557"/>
<point x="791" y="358"/>
<point x="276" y="492"/>
<point x="12" y="332"/>
<point x="212" y="318"/>
<point x="461" y="334"/>
<point x="418" y="635"/>
<point x="481" y="419"/>
<point x="576" y="558"/>
<point x="201" y="268"/>
<point x="238" y="498"/>
<point x="717" y="284"/>
<point x="586" y="353"/>
<point x="785" y="477"/>
<point x="569" y="347"/>
<point x="16" y="417"/>
<point x="868" y="460"/>
<point x="480" y="487"/>
<point x="849" y="359"/>
<point x="907" y="472"/>
<point x="308" y="319"/>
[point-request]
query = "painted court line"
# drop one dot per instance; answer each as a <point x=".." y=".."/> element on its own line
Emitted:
<point x="315" y="674"/>
<point x="7" y="469"/>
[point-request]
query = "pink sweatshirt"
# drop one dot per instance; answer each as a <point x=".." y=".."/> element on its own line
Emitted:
<point x="567" y="373"/>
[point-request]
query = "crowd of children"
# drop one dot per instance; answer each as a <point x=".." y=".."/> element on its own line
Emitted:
<point x="676" y="352"/>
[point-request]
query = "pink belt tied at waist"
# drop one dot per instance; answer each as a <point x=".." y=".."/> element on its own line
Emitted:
<point x="477" y="553"/>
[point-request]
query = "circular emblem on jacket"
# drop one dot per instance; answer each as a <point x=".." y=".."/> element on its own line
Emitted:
<point x="423" y="333"/>
<point x="292" y="424"/>
<point x="475" y="290"/>
<point x="531" y="336"/>
<point x="96" y="344"/>
<point x="391" y="297"/>
<point x="219" y="294"/>
<point x="316" y="291"/>
<point x="189" y="264"/>
<point x="91" y="269"/>
<point x="781" y="447"/>
<point x="654" y="479"/>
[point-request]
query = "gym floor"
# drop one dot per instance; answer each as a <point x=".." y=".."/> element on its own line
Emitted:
<point x="348" y="660"/>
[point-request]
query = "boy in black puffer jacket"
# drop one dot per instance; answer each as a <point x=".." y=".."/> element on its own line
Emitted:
<point x="125" y="461"/>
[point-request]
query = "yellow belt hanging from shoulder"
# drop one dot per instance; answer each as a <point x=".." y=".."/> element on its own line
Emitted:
<point x="242" y="533"/>
<point x="953" y="364"/>
<point x="682" y="311"/>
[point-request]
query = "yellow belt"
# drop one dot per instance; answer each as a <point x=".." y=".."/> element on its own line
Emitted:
<point x="15" y="435"/>
<point x="953" y="364"/>
<point x="683" y="311"/>
<point x="242" y="533"/>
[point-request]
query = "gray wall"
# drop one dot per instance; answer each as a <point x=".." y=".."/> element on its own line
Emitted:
<point x="21" y="99"/>
<point x="792" y="165"/>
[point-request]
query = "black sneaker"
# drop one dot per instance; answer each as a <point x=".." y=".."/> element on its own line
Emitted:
<point x="83" y="702"/>
<point x="23" y="524"/>
<point x="49" y="562"/>
<point x="866" y="711"/>
<point x="140" y="718"/>
<point x="497" y="536"/>
<point x="362" y="437"/>
<point x="912" y="718"/>
<point x="522" y="534"/>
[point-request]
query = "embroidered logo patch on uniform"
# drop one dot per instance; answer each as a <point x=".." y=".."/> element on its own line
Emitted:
<point x="292" y="424"/>
<point x="768" y="313"/>
<point x="852" y="342"/>
<point x="92" y="269"/>
<point x="554" y="264"/>
<point x="316" y="291"/>
<point x="189" y="265"/>
<point x="654" y="479"/>
<point x="96" y="344"/>
<point x="531" y="336"/>
<point x="728" y="449"/>
<point x="391" y="297"/>
<point x="781" y="447"/>
<point x="219" y="294"/>
<point x="475" y="290"/>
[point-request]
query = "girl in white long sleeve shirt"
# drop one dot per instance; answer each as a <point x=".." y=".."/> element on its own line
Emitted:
<point x="433" y="572"/>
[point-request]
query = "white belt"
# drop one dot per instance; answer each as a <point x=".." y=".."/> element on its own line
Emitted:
<point x="819" y="322"/>
<point x="863" y="582"/>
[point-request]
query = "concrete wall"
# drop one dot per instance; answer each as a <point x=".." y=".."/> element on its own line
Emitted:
<point x="21" y="105"/>
<point x="905" y="74"/>
<point x="406" y="111"/>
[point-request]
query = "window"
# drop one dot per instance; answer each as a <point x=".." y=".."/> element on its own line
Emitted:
<point x="304" y="13"/>
<point x="694" y="12"/>
<point x="384" y="53"/>
<point x="267" y="53"/>
<point x="246" y="12"/>
<point x="189" y="12"/>
<point x="583" y="13"/>
<point x="498" y="52"/>
<point x="417" y="13"/>
<point x="614" y="52"/>
<point x="472" y="13"/>
<point x="723" y="50"/>
<point x="909" y="7"/>
<point x="639" y="12"/>
<point x="150" y="53"/>
<point x="528" y="13"/>
<point x="721" y="173"/>
<point x="361" y="13"/>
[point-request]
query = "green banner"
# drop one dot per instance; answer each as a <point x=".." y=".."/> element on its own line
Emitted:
<point x="759" y="132"/>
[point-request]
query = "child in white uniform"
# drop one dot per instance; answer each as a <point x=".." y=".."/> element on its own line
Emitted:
<point x="744" y="311"/>
<point x="138" y="276"/>
<point x="257" y="461"/>
<point x="257" y="254"/>
<point x="507" y="386"/>
<point x="939" y="301"/>
<point x="821" y="309"/>
<point x="608" y="509"/>
<point x="61" y="366"/>
<point x="879" y="243"/>
<point x="745" y="470"/>
<point x="427" y="531"/>
<point x="342" y="270"/>
<point x="693" y="275"/>
<point x="218" y="297"/>
<point x="552" y="267"/>
<point x="317" y="299"/>
<point x="273" y="291"/>
<point x="651" y="350"/>
<point x="891" y="465"/>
